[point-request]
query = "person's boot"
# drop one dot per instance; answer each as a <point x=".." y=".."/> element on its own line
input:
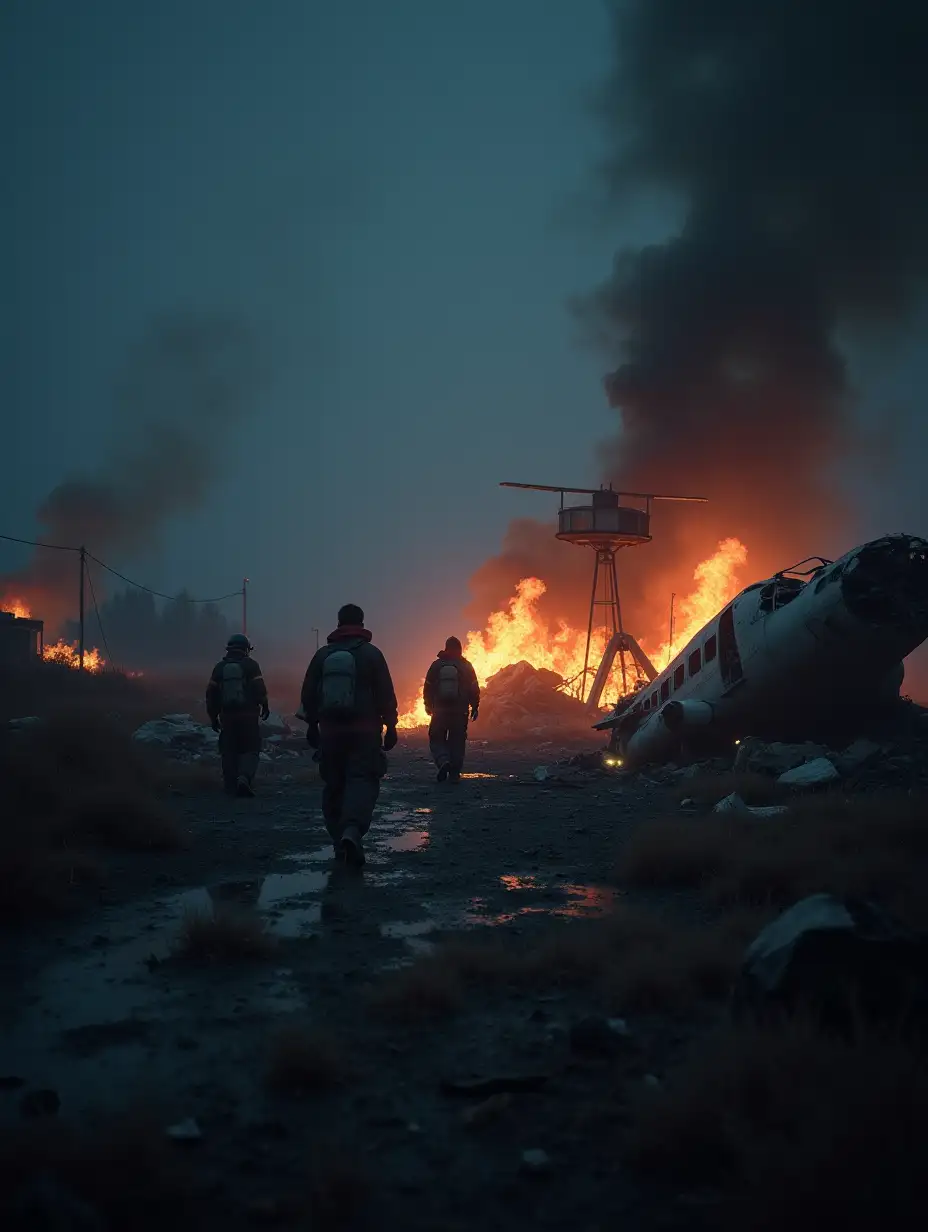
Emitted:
<point x="443" y="771"/>
<point x="454" y="776"/>
<point x="352" y="848"/>
<point x="243" y="788"/>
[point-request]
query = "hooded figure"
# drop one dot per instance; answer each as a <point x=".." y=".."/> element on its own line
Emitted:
<point x="451" y="696"/>
<point x="235" y="696"/>
<point x="347" y="700"/>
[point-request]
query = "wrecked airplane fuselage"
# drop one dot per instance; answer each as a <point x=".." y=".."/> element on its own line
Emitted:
<point x="806" y="646"/>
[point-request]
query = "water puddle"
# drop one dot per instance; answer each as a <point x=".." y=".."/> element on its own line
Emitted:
<point x="322" y="855"/>
<point x="567" y="902"/>
<point x="510" y="881"/>
<point x="401" y="930"/>
<point x="409" y="840"/>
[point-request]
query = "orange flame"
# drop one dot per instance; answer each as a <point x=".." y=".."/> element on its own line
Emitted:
<point x="64" y="652"/>
<point x="69" y="654"/>
<point x="17" y="607"/>
<point x="519" y="633"/>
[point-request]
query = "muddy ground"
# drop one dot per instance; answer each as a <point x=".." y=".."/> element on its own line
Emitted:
<point x="102" y="1011"/>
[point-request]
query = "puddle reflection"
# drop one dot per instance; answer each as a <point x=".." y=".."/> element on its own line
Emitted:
<point x="411" y="840"/>
<point x="510" y="881"/>
<point x="579" y="902"/>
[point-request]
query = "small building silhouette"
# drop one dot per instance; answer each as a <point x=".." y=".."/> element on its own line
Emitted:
<point x="22" y="640"/>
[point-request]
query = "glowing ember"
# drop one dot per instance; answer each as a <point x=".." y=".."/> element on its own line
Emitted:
<point x="519" y="633"/>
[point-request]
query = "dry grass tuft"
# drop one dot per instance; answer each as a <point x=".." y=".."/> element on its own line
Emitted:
<point x="868" y="846"/>
<point x="426" y="991"/>
<point x="635" y="960"/>
<point x="120" y="1174"/>
<point x="223" y="936"/>
<point x="72" y="784"/>
<point x="303" y="1062"/>
<point x="339" y="1190"/>
<point x="790" y="1126"/>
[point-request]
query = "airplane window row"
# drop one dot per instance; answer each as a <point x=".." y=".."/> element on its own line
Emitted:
<point x="697" y="659"/>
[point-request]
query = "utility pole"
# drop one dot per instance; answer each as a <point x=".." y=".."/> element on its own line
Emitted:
<point x="316" y="631"/>
<point x="245" y="606"/>
<point x="81" y="605"/>
<point x="670" y="653"/>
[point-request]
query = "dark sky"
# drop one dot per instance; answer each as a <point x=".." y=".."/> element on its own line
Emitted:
<point x="383" y="191"/>
<point x="390" y="198"/>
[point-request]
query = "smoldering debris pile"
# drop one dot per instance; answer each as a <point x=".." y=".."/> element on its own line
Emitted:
<point x="523" y="700"/>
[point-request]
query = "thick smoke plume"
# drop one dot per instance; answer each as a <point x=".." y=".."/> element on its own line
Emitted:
<point x="181" y="394"/>
<point x="795" y="135"/>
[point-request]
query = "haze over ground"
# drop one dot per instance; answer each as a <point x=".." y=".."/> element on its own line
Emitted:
<point x="394" y="201"/>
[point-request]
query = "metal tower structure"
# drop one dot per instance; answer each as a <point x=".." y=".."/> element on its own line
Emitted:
<point x="606" y="526"/>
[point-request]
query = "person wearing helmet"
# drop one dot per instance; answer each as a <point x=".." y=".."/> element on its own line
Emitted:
<point x="451" y="696"/>
<point x="347" y="701"/>
<point x="235" y="697"/>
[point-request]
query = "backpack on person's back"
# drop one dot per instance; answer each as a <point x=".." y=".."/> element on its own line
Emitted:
<point x="338" y="687"/>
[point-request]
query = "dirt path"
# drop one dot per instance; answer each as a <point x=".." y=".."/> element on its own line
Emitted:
<point x="102" y="1009"/>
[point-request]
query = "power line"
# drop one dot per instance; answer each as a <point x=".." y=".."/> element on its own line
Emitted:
<point x="32" y="543"/>
<point x="96" y="608"/>
<point x="157" y="593"/>
<point x="59" y="547"/>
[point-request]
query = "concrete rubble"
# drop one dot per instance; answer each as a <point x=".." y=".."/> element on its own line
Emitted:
<point x="837" y="958"/>
<point x="734" y="804"/>
<point x="182" y="738"/>
<point x="896" y="758"/>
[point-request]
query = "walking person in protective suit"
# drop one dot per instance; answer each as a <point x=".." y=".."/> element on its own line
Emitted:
<point x="347" y="701"/>
<point x="452" y="697"/>
<point x="235" y="697"/>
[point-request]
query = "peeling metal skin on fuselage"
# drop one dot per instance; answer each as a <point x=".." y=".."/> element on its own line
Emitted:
<point x="821" y="641"/>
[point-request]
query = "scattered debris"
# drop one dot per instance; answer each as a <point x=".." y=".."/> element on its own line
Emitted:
<point x="178" y="733"/>
<point x="652" y="1081"/>
<point x="31" y="720"/>
<point x="734" y="804"/>
<point x="836" y="957"/>
<point x="521" y="700"/>
<point x="540" y="773"/>
<point x="814" y="773"/>
<point x="758" y="757"/>
<point x="515" y="1084"/>
<point x="857" y="755"/>
<point x="275" y="725"/>
<point x="185" y="1131"/>
<point x="536" y="1162"/>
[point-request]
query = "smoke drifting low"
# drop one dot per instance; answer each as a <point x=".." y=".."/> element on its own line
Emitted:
<point x="795" y="135"/>
<point x="183" y="391"/>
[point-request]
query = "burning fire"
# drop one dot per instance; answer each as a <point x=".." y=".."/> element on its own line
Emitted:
<point x="69" y="654"/>
<point x="519" y="633"/>
<point x="64" y="652"/>
<point x="17" y="607"/>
